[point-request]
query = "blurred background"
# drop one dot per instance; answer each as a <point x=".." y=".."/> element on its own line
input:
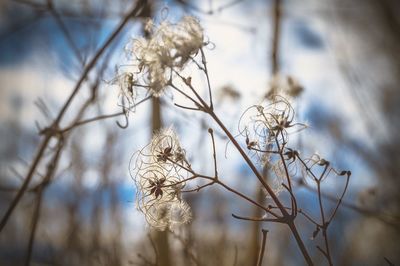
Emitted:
<point x="79" y="205"/>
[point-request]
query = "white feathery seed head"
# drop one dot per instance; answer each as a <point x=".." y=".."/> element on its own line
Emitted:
<point x="169" y="47"/>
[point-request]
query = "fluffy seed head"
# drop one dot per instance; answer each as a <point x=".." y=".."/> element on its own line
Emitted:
<point x="169" y="47"/>
<point x="159" y="172"/>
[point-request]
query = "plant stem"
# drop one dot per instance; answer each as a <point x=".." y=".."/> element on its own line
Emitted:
<point x="262" y="249"/>
<point x="289" y="222"/>
<point x="300" y="243"/>
<point x="250" y="163"/>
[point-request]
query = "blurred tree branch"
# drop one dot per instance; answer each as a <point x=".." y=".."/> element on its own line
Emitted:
<point x="52" y="130"/>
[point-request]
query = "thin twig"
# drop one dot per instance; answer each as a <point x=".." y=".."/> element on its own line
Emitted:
<point x="257" y="219"/>
<point x="204" y="62"/>
<point x="97" y="118"/>
<point x="308" y="217"/>
<point x="187" y="96"/>
<point x="214" y="152"/>
<point x="35" y="220"/>
<point x="276" y="36"/>
<point x="198" y="188"/>
<point x="341" y="197"/>
<point x="262" y="249"/>
<point x="371" y="213"/>
<point x="51" y="169"/>
<point x="65" y="31"/>
<point x="188" y="108"/>
<point x="46" y="140"/>
<point x="324" y="224"/>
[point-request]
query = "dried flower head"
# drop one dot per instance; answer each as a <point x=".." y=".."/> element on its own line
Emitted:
<point x="267" y="125"/>
<point x="169" y="214"/>
<point x="126" y="84"/>
<point x="262" y="124"/>
<point x="315" y="168"/>
<point x="166" y="148"/>
<point x="169" y="47"/>
<point x="126" y="81"/>
<point x="159" y="171"/>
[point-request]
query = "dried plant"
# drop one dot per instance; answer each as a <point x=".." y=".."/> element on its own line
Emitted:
<point x="161" y="170"/>
<point x="169" y="48"/>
